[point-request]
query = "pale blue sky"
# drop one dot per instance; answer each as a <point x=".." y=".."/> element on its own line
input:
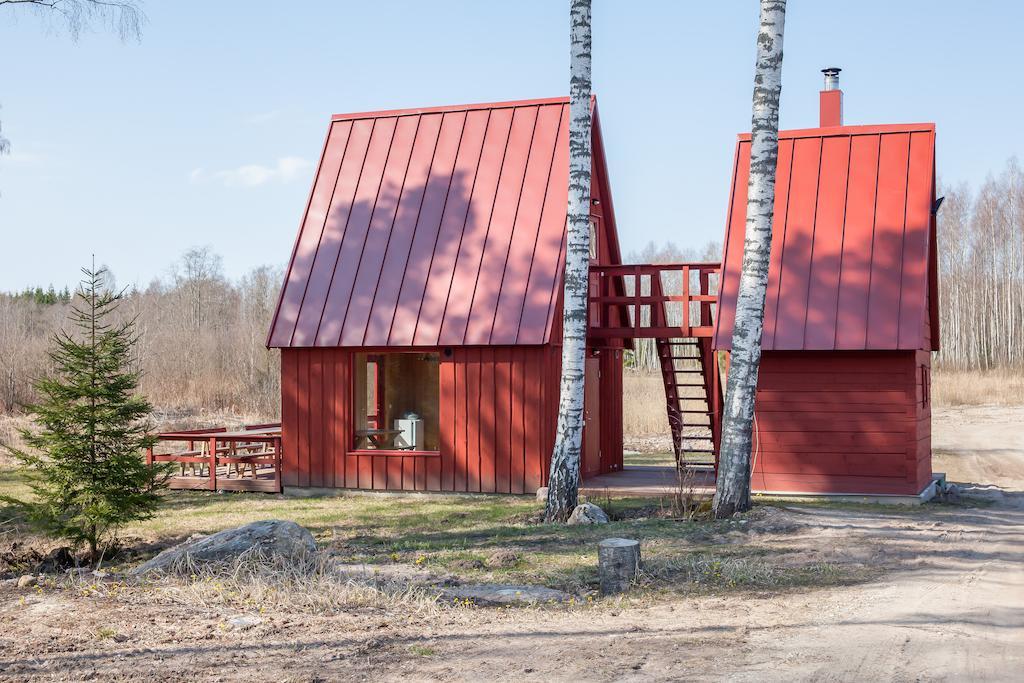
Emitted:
<point x="208" y="131"/>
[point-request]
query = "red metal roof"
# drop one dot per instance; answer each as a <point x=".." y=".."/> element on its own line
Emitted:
<point x="852" y="260"/>
<point x="432" y="227"/>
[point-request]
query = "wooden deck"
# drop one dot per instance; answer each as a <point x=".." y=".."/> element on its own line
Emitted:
<point x="248" y="459"/>
<point x="646" y="481"/>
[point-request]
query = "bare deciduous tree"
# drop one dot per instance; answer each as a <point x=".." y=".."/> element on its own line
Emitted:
<point x="733" y="488"/>
<point x="564" y="479"/>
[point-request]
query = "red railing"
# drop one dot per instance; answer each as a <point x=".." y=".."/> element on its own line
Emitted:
<point x="634" y="301"/>
<point x="220" y="460"/>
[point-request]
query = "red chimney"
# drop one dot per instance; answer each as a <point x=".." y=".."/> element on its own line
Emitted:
<point x="831" y="99"/>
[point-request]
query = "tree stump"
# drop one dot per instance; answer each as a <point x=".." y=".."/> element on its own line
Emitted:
<point x="618" y="562"/>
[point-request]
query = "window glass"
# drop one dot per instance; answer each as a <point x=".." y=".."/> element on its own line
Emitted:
<point x="396" y="401"/>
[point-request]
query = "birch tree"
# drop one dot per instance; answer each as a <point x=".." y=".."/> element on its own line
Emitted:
<point x="564" y="479"/>
<point x="733" y="489"/>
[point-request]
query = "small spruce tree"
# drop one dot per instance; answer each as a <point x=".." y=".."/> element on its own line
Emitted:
<point x="85" y="455"/>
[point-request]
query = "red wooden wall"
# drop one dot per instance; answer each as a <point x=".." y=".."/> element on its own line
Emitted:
<point x="843" y="422"/>
<point x="498" y="410"/>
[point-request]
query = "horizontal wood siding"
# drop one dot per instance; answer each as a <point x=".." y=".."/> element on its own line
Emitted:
<point x="498" y="406"/>
<point x="835" y="422"/>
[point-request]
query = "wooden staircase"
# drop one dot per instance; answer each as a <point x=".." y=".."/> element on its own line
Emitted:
<point x="689" y="369"/>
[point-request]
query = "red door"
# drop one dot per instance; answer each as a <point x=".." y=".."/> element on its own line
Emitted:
<point x="592" y="418"/>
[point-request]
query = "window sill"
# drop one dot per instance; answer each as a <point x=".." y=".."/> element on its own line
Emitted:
<point x="394" y="453"/>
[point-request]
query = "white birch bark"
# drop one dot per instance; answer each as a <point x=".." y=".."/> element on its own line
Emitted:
<point x="564" y="479"/>
<point x="733" y="488"/>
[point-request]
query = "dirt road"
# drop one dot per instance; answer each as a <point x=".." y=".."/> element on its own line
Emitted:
<point x="948" y="605"/>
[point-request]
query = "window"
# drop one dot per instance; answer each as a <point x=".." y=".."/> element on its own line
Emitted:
<point x="396" y="401"/>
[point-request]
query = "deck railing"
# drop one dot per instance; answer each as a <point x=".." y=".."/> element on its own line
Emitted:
<point x="221" y="460"/>
<point x="653" y="300"/>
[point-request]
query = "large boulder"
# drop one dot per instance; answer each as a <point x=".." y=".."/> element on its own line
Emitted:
<point x="267" y="539"/>
<point x="587" y="513"/>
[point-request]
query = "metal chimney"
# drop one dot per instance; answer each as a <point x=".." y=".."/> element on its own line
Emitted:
<point x="831" y="78"/>
<point x="831" y="99"/>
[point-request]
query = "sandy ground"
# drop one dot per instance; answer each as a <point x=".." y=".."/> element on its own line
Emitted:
<point x="948" y="605"/>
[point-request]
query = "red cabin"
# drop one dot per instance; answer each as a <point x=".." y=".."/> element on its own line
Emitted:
<point x="419" y="320"/>
<point x="851" y="313"/>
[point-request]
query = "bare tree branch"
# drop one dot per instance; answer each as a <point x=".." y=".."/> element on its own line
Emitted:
<point x="123" y="17"/>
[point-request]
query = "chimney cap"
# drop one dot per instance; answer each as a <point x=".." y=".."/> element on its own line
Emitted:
<point x="831" y="77"/>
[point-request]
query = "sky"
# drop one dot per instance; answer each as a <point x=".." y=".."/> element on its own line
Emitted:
<point x="208" y="131"/>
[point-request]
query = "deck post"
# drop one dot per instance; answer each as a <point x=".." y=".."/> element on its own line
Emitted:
<point x="213" y="463"/>
<point x="278" y="457"/>
<point x="149" y="456"/>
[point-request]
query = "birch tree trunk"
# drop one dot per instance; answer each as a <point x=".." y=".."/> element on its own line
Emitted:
<point x="733" y="488"/>
<point x="564" y="479"/>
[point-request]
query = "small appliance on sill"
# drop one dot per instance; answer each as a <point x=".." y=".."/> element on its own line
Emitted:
<point x="411" y="436"/>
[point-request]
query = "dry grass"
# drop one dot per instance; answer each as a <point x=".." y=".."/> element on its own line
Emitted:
<point x="1003" y="387"/>
<point x="643" y="405"/>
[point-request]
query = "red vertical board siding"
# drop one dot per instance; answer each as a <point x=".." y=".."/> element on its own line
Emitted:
<point x="385" y="298"/>
<point x="378" y="472"/>
<point x="855" y="268"/>
<point x="532" y="402"/>
<point x="289" y="416"/>
<point x="782" y="181"/>
<point x="487" y="421"/>
<point x="458" y="212"/>
<point x="316" y="418"/>
<point x="796" y="249"/>
<point x="914" y="286"/>
<point x="309" y="234"/>
<point x="497" y="419"/>
<point x="342" y="413"/>
<point x="302" y="419"/>
<point x="461" y="464"/>
<point x="503" y="420"/>
<point x="827" y="249"/>
<point x="319" y="277"/>
<point x="378" y="233"/>
<point x="474" y="237"/>
<point x="473" y="399"/>
<point x="523" y="244"/>
<point x="518" y="452"/>
<point x="886" y="257"/>
<point x="443" y="478"/>
<point x="403" y="325"/>
<point x="499" y="231"/>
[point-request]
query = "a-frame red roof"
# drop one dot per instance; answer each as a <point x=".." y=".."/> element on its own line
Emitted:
<point x="433" y="227"/>
<point x="853" y="245"/>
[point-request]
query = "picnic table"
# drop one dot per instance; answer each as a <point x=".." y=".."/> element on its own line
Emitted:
<point x="379" y="438"/>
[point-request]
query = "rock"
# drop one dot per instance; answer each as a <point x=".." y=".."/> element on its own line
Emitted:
<point x="27" y="581"/>
<point x="243" y="622"/>
<point x="502" y="559"/>
<point x="501" y="594"/>
<point x="587" y="513"/>
<point x="542" y="494"/>
<point x="267" y="538"/>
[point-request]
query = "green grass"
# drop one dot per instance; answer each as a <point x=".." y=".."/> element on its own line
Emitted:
<point x="459" y="534"/>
